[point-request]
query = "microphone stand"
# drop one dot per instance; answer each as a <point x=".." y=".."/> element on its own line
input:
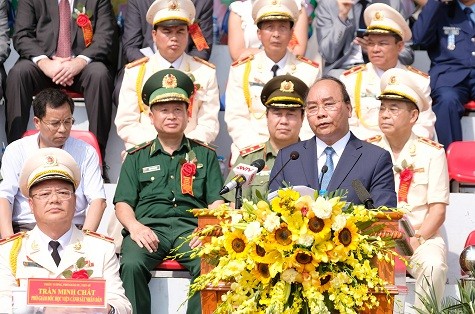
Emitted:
<point x="238" y="199"/>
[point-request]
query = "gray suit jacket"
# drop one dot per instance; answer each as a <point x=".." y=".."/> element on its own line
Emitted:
<point x="360" y="160"/>
<point x="138" y="33"/>
<point x="37" y="28"/>
<point x="335" y="37"/>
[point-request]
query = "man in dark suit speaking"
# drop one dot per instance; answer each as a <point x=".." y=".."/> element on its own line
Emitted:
<point x="334" y="157"/>
<point x="63" y="43"/>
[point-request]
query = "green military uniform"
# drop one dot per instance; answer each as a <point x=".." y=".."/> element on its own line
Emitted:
<point x="150" y="182"/>
<point x="261" y="181"/>
<point x="161" y="188"/>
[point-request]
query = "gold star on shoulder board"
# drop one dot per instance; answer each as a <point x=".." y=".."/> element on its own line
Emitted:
<point x="77" y="246"/>
<point x="412" y="150"/>
<point x="35" y="246"/>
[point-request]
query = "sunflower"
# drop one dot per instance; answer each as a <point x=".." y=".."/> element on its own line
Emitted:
<point x="235" y="244"/>
<point x="261" y="272"/>
<point x="257" y="252"/>
<point x="347" y="237"/>
<point x="303" y="261"/>
<point x="281" y="238"/>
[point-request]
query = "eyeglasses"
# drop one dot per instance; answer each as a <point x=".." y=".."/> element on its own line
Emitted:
<point x="394" y="111"/>
<point x="55" y="125"/>
<point x="62" y="195"/>
<point x="313" y="109"/>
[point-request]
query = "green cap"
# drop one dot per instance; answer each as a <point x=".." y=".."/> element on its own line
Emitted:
<point x="166" y="86"/>
<point x="284" y="91"/>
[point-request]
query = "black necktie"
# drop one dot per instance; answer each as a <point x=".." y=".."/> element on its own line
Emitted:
<point x="171" y="66"/>
<point x="55" y="254"/>
<point x="364" y="4"/>
<point x="469" y="11"/>
<point x="274" y="69"/>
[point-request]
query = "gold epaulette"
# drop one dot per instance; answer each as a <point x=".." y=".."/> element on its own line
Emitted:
<point x="241" y="61"/>
<point x="98" y="235"/>
<point x="251" y="149"/>
<point x="205" y="62"/>
<point x="308" y="61"/>
<point x="136" y="62"/>
<point x="138" y="147"/>
<point x="207" y="145"/>
<point x="417" y="71"/>
<point x="355" y="69"/>
<point x="431" y="143"/>
<point x="374" y="139"/>
<point x="12" y="237"/>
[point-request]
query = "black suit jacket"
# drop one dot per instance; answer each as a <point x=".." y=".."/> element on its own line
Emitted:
<point x="360" y="160"/>
<point x="37" y="28"/>
<point x="138" y="33"/>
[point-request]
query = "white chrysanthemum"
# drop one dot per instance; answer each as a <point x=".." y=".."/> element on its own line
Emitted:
<point x="305" y="240"/>
<point x="272" y="222"/>
<point x="289" y="275"/>
<point x="339" y="222"/>
<point x="322" y="208"/>
<point x="253" y="230"/>
<point x="235" y="218"/>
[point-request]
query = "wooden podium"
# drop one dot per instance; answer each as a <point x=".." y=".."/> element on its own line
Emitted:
<point x="211" y="296"/>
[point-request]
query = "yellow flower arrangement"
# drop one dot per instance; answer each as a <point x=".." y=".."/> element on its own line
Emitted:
<point x="295" y="254"/>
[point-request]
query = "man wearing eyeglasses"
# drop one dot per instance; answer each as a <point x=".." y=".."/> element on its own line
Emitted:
<point x="336" y="149"/>
<point x="421" y="175"/>
<point x="53" y="118"/>
<point x="385" y="35"/>
<point x="55" y="247"/>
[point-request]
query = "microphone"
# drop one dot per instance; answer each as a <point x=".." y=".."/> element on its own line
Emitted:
<point x="244" y="175"/>
<point x="363" y="194"/>
<point x="323" y="171"/>
<point x="294" y="155"/>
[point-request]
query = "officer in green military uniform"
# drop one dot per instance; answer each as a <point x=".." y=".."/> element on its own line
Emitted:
<point x="160" y="181"/>
<point x="284" y="98"/>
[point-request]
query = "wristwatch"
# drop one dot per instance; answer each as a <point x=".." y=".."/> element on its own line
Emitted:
<point x="112" y="310"/>
<point x="420" y="238"/>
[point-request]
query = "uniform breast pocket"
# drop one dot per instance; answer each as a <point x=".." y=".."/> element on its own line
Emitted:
<point x="418" y="190"/>
<point x="149" y="180"/>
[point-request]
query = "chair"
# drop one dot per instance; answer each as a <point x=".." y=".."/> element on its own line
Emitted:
<point x="170" y="269"/>
<point x="460" y="156"/>
<point x="82" y="135"/>
<point x="470" y="106"/>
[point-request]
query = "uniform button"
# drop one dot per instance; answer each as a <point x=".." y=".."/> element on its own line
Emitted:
<point x="473" y="53"/>
<point x="152" y="178"/>
<point x="473" y="39"/>
<point x="172" y="177"/>
<point x="175" y="205"/>
<point x="173" y="157"/>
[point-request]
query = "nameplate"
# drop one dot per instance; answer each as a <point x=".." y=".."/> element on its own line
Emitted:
<point x="67" y="292"/>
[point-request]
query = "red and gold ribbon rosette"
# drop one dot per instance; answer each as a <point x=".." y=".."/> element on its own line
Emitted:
<point x="188" y="170"/>
<point x="84" y="22"/>
<point x="405" y="179"/>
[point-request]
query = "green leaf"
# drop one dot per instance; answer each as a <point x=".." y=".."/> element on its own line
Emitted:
<point x="89" y="272"/>
<point x="81" y="263"/>
<point x="67" y="274"/>
<point x="191" y="155"/>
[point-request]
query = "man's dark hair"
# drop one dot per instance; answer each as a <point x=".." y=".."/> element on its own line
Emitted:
<point x="343" y="91"/>
<point x="53" y="98"/>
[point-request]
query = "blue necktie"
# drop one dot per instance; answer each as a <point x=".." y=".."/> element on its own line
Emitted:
<point x="329" y="151"/>
<point x="468" y="11"/>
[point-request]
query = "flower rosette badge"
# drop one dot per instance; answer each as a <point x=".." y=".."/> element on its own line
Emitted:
<point x="406" y="175"/>
<point x="295" y="254"/>
<point x="188" y="170"/>
<point x="83" y="20"/>
<point x="79" y="271"/>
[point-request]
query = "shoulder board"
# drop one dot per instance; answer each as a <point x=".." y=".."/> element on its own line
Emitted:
<point x="417" y="71"/>
<point x="205" y="62"/>
<point x="137" y="62"/>
<point x="98" y="235"/>
<point x="374" y="139"/>
<point x="308" y="61"/>
<point x="251" y="149"/>
<point x="355" y="69"/>
<point x="138" y="147"/>
<point x="12" y="237"/>
<point x="241" y="61"/>
<point x="431" y="143"/>
<point x="207" y="145"/>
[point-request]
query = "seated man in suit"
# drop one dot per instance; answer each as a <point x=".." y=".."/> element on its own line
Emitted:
<point x="53" y="110"/>
<point x="63" y="45"/>
<point x="345" y="157"/>
<point x="55" y="246"/>
<point x="160" y="181"/>
<point x="284" y="98"/>
<point x="421" y="175"/>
